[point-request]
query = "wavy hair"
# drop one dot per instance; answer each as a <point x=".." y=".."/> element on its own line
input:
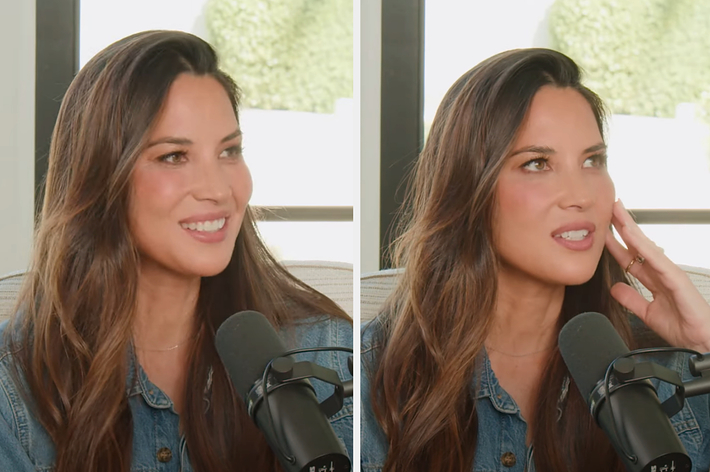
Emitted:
<point x="78" y="301"/>
<point x="429" y="338"/>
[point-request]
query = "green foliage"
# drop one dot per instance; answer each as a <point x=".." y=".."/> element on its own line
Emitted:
<point x="643" y="57"/>
<point x="285" y="54"/>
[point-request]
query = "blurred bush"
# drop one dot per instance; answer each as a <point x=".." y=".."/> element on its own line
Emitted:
<point x="285" y="54"/>
<point x="643" y="57"/>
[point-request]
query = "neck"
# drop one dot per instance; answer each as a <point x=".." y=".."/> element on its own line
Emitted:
<point x="165" y="309"/>
<point x="526" y="314"/>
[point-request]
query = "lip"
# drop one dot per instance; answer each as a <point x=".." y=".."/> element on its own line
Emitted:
<point x="581" y="245"/>
<point x="205" y="217"/>
<point x="203" y="237"/>
<point x="575" y="226"/>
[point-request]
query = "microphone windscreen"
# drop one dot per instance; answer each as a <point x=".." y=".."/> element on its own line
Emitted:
<point x="588" y="344"/>
<point x="246" y="343"/>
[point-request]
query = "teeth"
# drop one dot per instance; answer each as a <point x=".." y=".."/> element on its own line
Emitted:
<point x="205" y="226"/>
<point x="575" y="235"/>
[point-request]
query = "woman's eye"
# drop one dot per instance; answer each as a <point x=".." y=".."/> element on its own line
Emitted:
<point x="536" y="165"/>
<point x="232" y="152"/>
<point x="597" y="160"/>
<point x="173" y="157"/>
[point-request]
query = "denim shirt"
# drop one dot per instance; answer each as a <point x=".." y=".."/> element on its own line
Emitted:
<point x="502" y="430"/>
<point x="158" y="444"/>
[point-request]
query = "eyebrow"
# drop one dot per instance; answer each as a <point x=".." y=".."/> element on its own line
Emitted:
<point x="186" y="142"/>
<point x="548" y="150"/>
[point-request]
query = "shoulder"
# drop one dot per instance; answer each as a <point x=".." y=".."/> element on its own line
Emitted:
<point x="371" y="340"/>
<point x="692" y="423"/>
<point x="24" y="443"/>
<point x="327" y="331"/>
<point x="319" y="331"/>
<point x="373" y="443"/>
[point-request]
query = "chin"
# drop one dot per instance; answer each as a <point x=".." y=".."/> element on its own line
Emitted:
<point x="577" y="277"/>
<point x="206" y="266"/>
<point x="209" y="270"/>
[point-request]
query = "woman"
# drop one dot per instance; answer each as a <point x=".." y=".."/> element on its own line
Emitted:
<point x="146" y="243"/>
<point x="507" y="237"/>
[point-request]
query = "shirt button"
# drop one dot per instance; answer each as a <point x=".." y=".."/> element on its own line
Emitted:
<point x="508" y="459"/>
<point x="165" y="454"/>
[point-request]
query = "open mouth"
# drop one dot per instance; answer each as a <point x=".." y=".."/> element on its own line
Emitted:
<point x="205" y="226"/>
<point x="577" y="235"/>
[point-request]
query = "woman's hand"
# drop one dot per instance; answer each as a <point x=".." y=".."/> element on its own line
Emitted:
<point x="678" y="312"/>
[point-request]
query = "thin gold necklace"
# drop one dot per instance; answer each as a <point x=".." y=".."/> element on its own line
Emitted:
<point x="172" y="348"/>
<point x="520" y="355"/>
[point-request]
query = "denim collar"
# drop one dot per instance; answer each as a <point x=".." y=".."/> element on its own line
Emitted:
<point x="488" y="387"/>
<point x="137" y="383"/>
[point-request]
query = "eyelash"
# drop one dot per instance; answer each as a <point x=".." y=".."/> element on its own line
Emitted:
<point x="233" y="152"/>
<point x="166" y="157"/>
<point x="526" y="165"/>
<point x="599" y="158"/>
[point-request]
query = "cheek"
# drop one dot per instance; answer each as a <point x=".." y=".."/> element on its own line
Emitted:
<point x="154" y="193"/>
<point x="606" y="197"/>
<point x="520" y="203"/>
<point x="242" y="185"/>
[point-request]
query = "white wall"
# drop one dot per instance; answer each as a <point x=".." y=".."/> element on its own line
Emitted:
<point x="370" y="67"/>
<point x="17" y="88"/>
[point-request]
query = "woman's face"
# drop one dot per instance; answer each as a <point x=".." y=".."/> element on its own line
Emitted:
<point x="554" y="193"/>
<point x="190" y="186"/>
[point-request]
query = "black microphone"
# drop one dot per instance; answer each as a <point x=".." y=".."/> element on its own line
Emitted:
<point x="247" y="343"/>
<point x="589" y="344"/>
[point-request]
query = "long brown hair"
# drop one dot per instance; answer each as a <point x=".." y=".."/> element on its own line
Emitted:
<point x="430" y="335"/>
<point x="79" y="297"/>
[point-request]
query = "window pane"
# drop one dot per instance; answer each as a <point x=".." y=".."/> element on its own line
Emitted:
<point x="683" y="244"/>
<point x="309" y="241"/>
<point x="657" y="93"/>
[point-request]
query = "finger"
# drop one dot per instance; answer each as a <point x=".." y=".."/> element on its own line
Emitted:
<point x="635" y="239"/>
<point x="630" y="299"/>
<point x="624" y="257"/>
<point x="656" y="263"/>
<point x="620" y="253"/>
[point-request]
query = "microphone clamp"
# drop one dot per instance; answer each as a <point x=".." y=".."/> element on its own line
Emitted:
<point x="284" y="370"/>
<point x="626" y="371"/>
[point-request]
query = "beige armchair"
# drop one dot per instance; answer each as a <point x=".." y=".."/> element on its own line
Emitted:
<point x="333" y="279"/>
<point x="375" y="287"/>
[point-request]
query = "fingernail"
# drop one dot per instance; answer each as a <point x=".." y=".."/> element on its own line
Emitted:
<point x="622" y="204"/>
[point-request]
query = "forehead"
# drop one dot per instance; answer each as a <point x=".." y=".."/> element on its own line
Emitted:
<point x="559" y="115"/>
<point x="196" y="105"/>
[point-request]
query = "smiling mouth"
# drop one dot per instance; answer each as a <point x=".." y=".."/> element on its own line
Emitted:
<point x="205" y="226"/>
<point x="577" y="235"/>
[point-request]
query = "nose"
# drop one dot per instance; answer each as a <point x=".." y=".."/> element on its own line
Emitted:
<point x="210" y="182"/>
<point x="578" y="190"/>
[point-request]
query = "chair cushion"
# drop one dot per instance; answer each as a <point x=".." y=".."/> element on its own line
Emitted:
<point x="375" y="287"/>
<point x="333" y="279"/>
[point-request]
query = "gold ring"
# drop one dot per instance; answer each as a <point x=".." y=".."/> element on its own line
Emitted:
<point x="639" y="258"/>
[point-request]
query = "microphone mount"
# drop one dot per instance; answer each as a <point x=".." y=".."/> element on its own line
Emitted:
<point x="284" y="370"/>
<point x="624" y="370"/>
